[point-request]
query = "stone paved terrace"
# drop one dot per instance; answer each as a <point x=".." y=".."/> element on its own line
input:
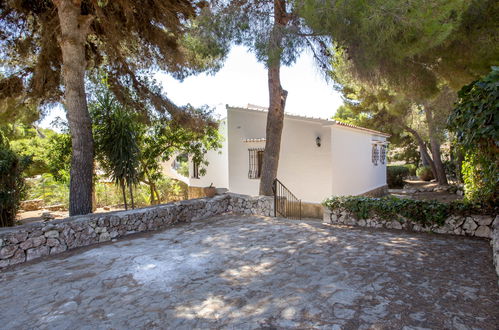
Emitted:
<point x="248" y="272"/>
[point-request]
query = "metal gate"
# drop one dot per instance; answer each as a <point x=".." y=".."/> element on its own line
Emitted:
<point x="286" y="204"/>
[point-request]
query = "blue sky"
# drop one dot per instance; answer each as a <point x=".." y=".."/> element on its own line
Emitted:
<point x="243" y="80"/>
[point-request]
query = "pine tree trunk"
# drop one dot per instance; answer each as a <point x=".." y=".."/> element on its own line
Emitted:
<point x="435" y="148"/>
<point x="74" y="29"/>
<point x="277" y="102"/>
<point x="423" y="149"/>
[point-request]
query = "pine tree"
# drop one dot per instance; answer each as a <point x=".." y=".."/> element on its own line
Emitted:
<point x="47" y="47"/>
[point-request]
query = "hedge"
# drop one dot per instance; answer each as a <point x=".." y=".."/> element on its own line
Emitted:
<point x="425" y="212"/>
<point x="395" y="175"/>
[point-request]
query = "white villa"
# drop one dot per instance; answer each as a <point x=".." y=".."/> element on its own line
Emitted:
<point x="319" y="157"/>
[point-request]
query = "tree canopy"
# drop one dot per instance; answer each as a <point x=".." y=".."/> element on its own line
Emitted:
<point x="47" y="47"/>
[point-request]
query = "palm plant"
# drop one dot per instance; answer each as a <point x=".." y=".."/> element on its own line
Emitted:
<point x="117" y="139"/>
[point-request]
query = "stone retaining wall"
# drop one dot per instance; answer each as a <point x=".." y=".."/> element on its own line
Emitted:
<point x="34" y="240"/>
<point x="495" y="243"/>
<point x="476" y="225"/>
<point x="377" y="192"/>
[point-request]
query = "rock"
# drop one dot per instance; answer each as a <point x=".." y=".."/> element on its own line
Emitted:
<point x="37" y="252"/>
<point x="483" y="220"/>
<point x="409" y="191"/>
<point x="396" y="225"/>
<point x="469" y="225"/>
<point x="32" y="204"/>
<point x="53" y="242"/>
<point x="362" y="222"/>
<point x="483" y="231"/>
<point x="47" y="216"/>
<point x="104" y="237"/>
<point x="18" y="237"/>
<point x="58" y="249"/>
<point x="33" y="242"/>
<point x="52" y="234"/>
<point x="8" y="251"/>
<point x="56" y="207"/>
<point x="19" y="257"/>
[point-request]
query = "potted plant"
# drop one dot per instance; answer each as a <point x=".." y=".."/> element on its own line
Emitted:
<point x="210" y="191"/>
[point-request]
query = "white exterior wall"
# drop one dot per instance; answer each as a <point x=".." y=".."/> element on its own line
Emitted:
<point x="217" y="171"/>
<point x="353" y="172"/>
<point x="304" y="168"/>
<point x="341" y="166"/>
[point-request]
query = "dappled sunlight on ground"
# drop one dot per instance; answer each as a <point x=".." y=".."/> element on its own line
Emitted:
<point x="253" y="272"/>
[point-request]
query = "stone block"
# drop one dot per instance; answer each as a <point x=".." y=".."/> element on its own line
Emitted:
<point x="58" y="249"/>
<point x="37" y="252"/>
<point x="17" y="237"/>
<point x="396" y="225"/>
<point x="8" y="251"/>
<point x="483" y="231"/>
<point x="484" y="220"/>
<point x="469" y="225"/>
<point x="53" y="242"/>
<point x="52" y="234"/>
<point x="104" y="237"/>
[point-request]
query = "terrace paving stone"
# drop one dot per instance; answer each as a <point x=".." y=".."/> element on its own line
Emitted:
<point x="247" y="272"/>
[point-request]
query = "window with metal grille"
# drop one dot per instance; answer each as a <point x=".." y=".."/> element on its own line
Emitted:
<point x="195" y="170"/>
<point x="255" y="163"/>
<point x="382" y="154"/>
<point x="375" y="154"/>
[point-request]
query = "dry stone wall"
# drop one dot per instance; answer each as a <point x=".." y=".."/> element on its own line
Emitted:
<point x="495" y="244"/>
<point x="475" y="225"/>
<point x="35" y="240"/>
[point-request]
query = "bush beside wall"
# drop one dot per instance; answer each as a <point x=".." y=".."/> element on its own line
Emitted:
<point x="425" y="173"/>
<point x="395" y="175"/>
<point x="425" y="213"/>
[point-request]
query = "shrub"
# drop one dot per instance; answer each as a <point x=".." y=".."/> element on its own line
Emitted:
<point x="391" y="208"/>
<point x="11" y="184"/>
<point x="411" y="168"/>
<point x="425" y="173"/>
<point x="481" y="178"/>
<point x="395" y="175"/>
<point x="474" y="122"/>
<point x="47" y="188"/>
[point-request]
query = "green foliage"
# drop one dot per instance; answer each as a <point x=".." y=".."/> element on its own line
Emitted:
<point x="408" y="45"/>
<point x="32" y="142"/>
<point x="424" y="173"/>
<point x="170" y="190"/>
<point x="411" y="168"/>
<point x="393" y="208"/>
<point x="183" y="166"/>
<point x="59" y="157"/>
<point x="481" y="178"/>
<point x="51" y="190"/>
<point x="12" y="185"/>
<point x="117" y="139"/>
<point x="475" y="122"/>
<point x="395" y="175"/>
